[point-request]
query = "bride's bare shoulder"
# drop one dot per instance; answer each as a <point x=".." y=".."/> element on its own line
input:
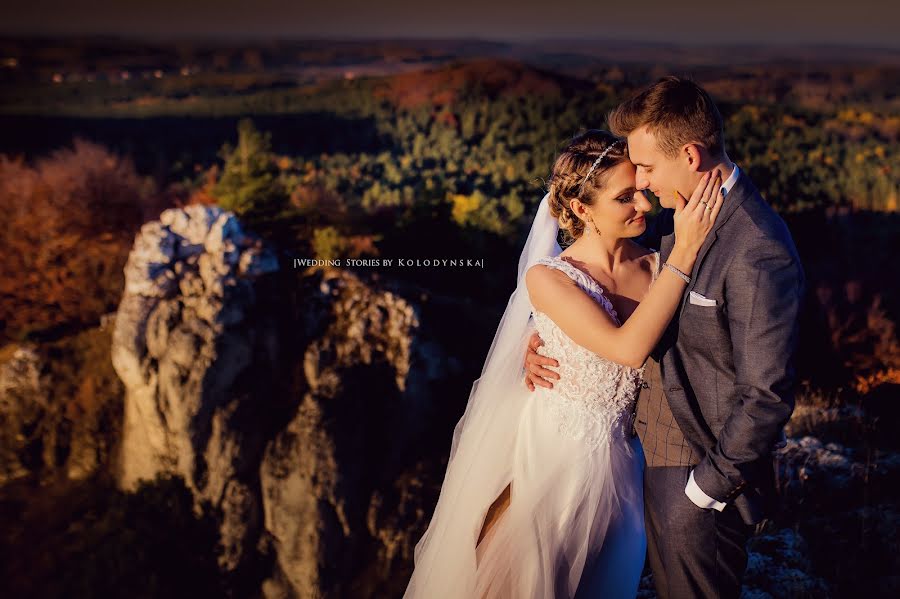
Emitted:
<point x="541" y="274"/>
<point x="544" y="283"/>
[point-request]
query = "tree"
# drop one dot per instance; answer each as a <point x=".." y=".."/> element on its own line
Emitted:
<point x="249" y="185"/>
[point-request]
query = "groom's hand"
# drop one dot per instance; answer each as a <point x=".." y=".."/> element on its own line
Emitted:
<point x="535" y="373"/>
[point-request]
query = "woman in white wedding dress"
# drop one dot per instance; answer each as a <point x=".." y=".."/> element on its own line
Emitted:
<point x="542" y="497"/>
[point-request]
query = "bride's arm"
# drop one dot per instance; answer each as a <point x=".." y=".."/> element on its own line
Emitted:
<point x="584" y="320"/>
<point x="580" y="317"/>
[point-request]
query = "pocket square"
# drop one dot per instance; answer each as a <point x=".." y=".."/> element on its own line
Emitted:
<point x="698" y="300"/>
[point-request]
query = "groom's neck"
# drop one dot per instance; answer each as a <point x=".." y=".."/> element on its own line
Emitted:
<point x="724" y="166"/>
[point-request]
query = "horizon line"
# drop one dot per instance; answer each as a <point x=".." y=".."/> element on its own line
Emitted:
<point x="525" y="40"/>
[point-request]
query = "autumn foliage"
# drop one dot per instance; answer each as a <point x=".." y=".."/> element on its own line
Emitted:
<point x="70" y="220"/>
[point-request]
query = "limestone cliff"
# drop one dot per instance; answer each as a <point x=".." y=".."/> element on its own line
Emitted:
<point x="287" y="418"/>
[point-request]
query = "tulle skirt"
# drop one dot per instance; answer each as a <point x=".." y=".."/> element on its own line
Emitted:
<point x="574" y="526"/>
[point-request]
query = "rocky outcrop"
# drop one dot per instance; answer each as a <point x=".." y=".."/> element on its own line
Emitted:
<point x="778" y="565"/>
<point x="842" y="499"/>
<point x="23" y="403"/>
<point x="194" y="352"/>
<point x="292" y="427"/>
<point x="325" y="477"/>
<point x="814" y="473"/>
<point x="60" y="408"/>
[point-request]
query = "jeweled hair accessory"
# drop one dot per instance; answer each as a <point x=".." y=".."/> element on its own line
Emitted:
<point x="596" y="162"/>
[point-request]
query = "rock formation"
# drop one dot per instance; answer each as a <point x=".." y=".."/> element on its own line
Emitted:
<point x="23" y="402"/>
<point x="188" y="341"/>
<point x="292" y="427"/>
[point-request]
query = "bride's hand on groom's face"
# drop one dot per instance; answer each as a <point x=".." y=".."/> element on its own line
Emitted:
<point x="535" y="363"/>
<point x="694" y="218"/>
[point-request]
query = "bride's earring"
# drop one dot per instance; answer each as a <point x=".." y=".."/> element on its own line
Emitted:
<point x="590" y="220"/>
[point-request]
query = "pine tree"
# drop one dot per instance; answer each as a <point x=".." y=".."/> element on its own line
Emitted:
<point x="249" y="184"/>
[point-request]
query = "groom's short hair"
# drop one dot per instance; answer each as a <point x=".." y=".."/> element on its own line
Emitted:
<point x="677" y="111"/>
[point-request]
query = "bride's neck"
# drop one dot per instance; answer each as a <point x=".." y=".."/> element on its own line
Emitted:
<point x="606" y="252"/>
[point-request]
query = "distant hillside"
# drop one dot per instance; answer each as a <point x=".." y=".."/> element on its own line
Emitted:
<point x="102" y="53"/>
<point x="488" y="78"/>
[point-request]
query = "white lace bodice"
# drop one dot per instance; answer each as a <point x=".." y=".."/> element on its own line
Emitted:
<point x="594" y="396"/>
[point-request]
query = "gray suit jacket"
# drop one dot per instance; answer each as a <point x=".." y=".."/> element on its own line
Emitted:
<point x="728" y="369"/>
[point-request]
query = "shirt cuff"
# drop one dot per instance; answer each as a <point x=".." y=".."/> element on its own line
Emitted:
<point x="701" y="499"/>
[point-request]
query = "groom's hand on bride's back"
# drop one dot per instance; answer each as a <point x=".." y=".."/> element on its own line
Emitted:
<point x="536" y="372"/>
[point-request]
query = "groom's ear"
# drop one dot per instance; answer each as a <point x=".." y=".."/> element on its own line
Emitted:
<point x="692" y="156"/>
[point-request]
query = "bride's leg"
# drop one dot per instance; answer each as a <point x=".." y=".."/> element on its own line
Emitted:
<point x="494" y="512"/>
<point x="497" y="509"/>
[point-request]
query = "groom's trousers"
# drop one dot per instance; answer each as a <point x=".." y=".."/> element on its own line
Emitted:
<point x="693" y="552"/>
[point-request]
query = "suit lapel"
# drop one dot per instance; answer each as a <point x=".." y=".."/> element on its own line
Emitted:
<point x="741" y="190"/>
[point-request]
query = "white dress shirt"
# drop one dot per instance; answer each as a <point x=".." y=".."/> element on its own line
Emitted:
<point x="731" y="180"/>
<point x="693" y="490"/>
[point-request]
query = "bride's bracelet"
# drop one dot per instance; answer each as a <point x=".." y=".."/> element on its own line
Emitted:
<point x="683" y="276"/>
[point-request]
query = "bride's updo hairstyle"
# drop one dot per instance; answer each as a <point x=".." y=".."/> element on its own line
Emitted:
<point x="570" y="169"/>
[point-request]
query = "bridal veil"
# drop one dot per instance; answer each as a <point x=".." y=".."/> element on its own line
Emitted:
<point x="481" y="453"/>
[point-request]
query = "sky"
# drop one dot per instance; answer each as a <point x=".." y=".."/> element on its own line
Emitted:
<point x="872" y="23"/>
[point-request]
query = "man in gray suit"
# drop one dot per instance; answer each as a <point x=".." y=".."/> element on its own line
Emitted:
<point x="718" y="389"/>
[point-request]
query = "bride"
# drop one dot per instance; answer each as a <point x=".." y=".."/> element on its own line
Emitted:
<point x="542" y="497"/>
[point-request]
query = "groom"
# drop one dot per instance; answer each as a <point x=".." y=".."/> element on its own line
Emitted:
<point x="718" y="388"/>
